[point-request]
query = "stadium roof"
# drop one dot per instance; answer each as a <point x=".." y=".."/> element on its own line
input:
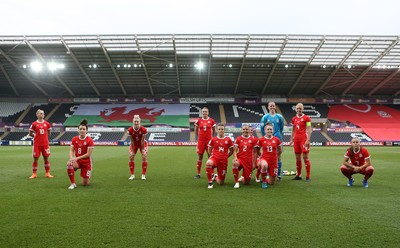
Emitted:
<point x="191" y="65"/>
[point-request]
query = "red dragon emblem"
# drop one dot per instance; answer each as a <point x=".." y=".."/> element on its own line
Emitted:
<point x="119" y="114"/>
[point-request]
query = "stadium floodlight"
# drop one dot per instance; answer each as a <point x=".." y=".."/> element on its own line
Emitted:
<point x="135" y="65"/>
<point x="52" y="66"/>
<point x="24" y="66"/>
<point x="230" y="65"/>
<point x="36" y="66"/>
<point x="199" y="65"/>
<point x="95" y="66"/>
<point x="171" y="65"/>
<point x="118" y="66"/>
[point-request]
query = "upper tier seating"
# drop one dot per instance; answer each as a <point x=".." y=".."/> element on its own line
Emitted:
<point x="9" y="112"/>
<point x="236" y="113"/>
<point x="63" y="112"/>
<point x="213" y="110"/>
<point x="31" y="115"/>
<point x="317" y="112"/>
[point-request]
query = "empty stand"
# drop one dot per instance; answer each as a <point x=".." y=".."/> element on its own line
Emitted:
<point x="380" y="122"/>
<point x="8" y="108"/>
<point x="96" y="136"/>
<point x="31" y="115"/>
<point x="315" y="137"/>
<point x="67" y="136"/>
<point x="317" y="112"/>
<point x="235" y="113"/>
<point x="15" y="136"/>
<point x="213" y="109"/>
<point x="318" y="137"/>
<point x="346" y="137"/>
<point x="53" y="135"/>
<point x="63" y="112"/>
<point x="165" y="136"/>
<point x="23" y="135"/>
<point x="9" y="112"/>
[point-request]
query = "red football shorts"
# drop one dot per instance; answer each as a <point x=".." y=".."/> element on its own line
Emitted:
<point x="221" y="165"/>
<point x="272" y="167"/>
<point x="299" y="147"/>
<point x="247" y="167"/>
<point x="139" y="147"/>
<point x="202" y="147"/>
<point x="37" y="150"/>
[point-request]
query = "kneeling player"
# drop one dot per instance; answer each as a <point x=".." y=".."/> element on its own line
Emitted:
<point x="220" y="148"/>
<point x="245" y="156"/>
<point x="270" y="146"/>
<point x="80" y="156"/>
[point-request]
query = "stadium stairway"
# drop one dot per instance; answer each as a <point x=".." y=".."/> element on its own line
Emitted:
<point x="52" y="112"/>
<point x="222" y="113"/>
<point x="125" y="136"/>
<point x="327" y="136"/>
<point x="59" y="136"/>
<point x="278" y="110"/>
<point x="4" y="134"/>
<point x="22" y="116"/>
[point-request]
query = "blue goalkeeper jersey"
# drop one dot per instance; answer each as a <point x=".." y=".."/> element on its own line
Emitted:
<point x="276" y="121"/>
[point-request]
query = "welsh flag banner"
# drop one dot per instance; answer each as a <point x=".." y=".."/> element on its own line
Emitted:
<point x="121" y="115"/>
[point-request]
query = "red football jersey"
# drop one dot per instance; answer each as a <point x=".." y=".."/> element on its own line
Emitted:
<point x="357" y="158"/>
<point x="41" y="137"/>
<point x="246" y="147"/>
<point x="300" y="127"/>
<point x="269" y="148"/>
<point x="81" y="147"/>
<point x="205" y="127"/>
<point x="220" y="147"/>
<point x="137" y="134"/>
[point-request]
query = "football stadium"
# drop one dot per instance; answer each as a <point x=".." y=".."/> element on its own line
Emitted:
<point x="348" y="85"/>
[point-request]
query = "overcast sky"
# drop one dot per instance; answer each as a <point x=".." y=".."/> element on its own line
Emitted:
<point x="341" y="17"/>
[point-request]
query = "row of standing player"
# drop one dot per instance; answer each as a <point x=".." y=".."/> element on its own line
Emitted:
<point x="264" y="154"/>
<point x="80" y="153"/>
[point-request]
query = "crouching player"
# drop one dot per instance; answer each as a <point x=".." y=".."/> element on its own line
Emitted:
<point x="137" y="135"/>
<point x="271" y="147"/>
<point x="357" y="160"/>
<point x="245" y="156"/>
<point x="220" y="148"/>
<point x="80" y="156"/>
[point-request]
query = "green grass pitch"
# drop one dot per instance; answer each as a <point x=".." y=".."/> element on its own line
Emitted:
<point x="171" y="209"/>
